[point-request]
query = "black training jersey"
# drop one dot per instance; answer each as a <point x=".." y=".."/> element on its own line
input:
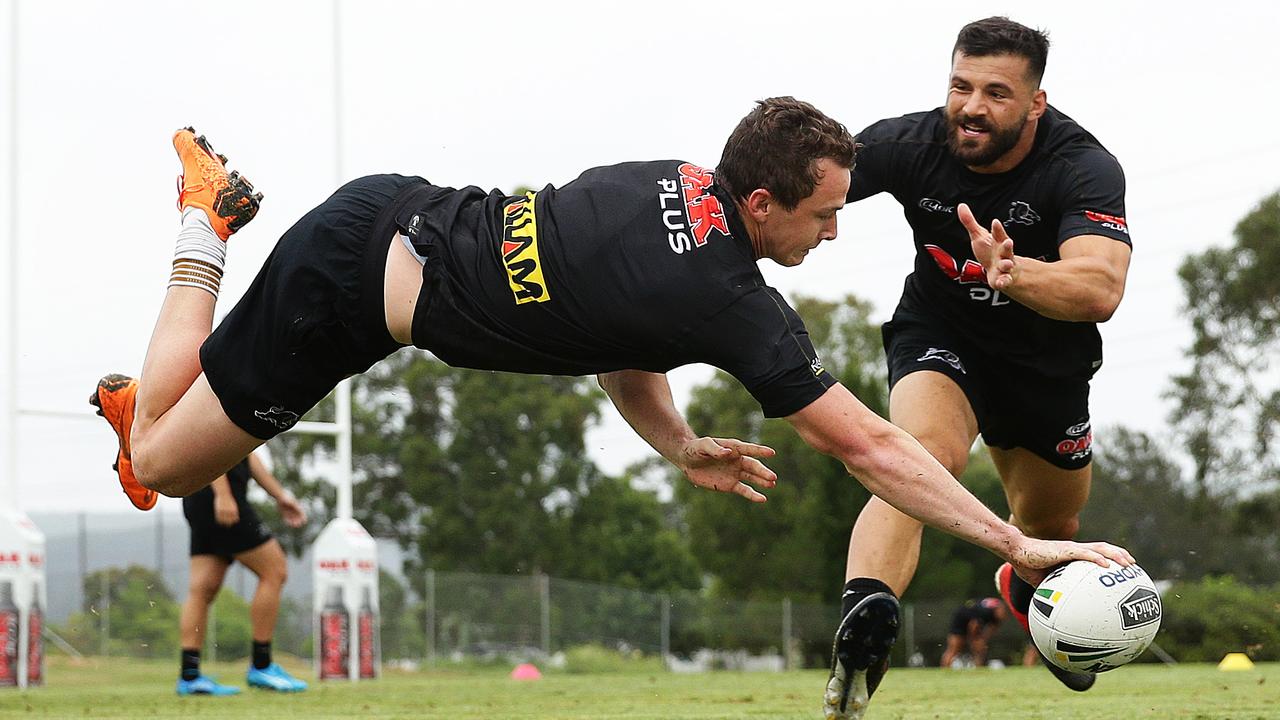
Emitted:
<point x="643" y="265"/>
<point x="238" y="478"/>
<point x="1069" y="185"/>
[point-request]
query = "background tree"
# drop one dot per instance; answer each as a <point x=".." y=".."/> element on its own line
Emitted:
<point x="1228" y="404"/>
<point x="142" y="617"/>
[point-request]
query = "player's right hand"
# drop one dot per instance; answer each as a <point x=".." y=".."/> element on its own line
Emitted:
<point x="225" y="510"/>
<point x="727" y="465"/>
<point x="1033" y="557"/>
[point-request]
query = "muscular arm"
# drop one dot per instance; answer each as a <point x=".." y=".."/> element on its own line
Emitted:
<point x="226" y="511"/>
<point x="896" y="468"/>
<point x="221" y="488"/>
<point x="645" y="401"/>
<point x="721" y="464"/>
<point x="261" y="475"/>
<point x="291" y="511"/>
<point x="891" y="464"/>
<point x="1085" y="285"/>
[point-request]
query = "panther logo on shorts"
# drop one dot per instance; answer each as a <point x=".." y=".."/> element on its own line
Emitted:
<point x="945" y="356"/>
<point x="277" y="416"/>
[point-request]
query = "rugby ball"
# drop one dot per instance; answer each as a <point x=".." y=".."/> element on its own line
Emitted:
<point x="1087" y="618"/>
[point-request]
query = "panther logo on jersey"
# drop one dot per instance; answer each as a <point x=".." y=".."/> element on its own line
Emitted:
<point x="1020" y="213"/>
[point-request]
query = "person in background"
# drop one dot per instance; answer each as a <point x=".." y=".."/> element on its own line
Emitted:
<point x="972" y="627"/>
<point x="225" y="529"/>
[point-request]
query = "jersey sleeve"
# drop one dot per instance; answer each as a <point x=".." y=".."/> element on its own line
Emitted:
<point x="872" y="164"/>
<point x="762" y="342"/>
<point x="1094" y="199"/>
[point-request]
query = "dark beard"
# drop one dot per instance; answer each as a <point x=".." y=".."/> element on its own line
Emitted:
<point x="1000" y="141"/>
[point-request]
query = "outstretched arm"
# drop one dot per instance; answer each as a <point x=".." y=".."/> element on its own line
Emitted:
<point x="721" y="464"/>
<point x="1085" y="285"/>
<point x="291" y="511"/>
<point x="892" y="465"/>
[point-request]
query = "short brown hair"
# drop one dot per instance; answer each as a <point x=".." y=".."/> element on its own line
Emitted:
<point x="1002" y="36"/>
<point x="777" y="147"/>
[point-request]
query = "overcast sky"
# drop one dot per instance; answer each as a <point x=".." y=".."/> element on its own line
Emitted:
<point x="501" y="94"/>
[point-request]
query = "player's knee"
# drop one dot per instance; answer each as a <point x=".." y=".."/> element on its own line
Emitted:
<point x="153" y="476"/>
<point x="954" y="459"/>
<point x="158" y="472"/>
<point x="204" y="590"/>
<point x="274" y="573"/>
<point x="280" y="573"/>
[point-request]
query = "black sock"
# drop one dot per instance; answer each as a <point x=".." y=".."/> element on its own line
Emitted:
<point x="261" y="654"/>
<point x="1021" y="592"/>
<point x="858" y="588"/>
<point x="190" y="664"/>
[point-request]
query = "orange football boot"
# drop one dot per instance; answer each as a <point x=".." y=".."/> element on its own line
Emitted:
<point x="114" y="398"/>
<point x="227" y="198"/>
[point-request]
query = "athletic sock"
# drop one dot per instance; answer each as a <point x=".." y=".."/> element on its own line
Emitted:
<point x="1020" y="593"/>
<point x="190" y="664"/>
<point x="199" y="255"/>
<point x="857" y="589"/>
<point x="261" y="654"/>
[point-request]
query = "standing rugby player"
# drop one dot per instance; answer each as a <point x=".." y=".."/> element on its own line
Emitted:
<point x="1022" y="248"/>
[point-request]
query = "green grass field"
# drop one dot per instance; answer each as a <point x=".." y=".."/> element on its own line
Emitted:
<point x="138" y="689"/>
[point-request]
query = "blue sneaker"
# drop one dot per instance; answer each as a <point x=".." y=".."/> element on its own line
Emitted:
<point x="273" y="677"/>
<point x="205" y="685"/>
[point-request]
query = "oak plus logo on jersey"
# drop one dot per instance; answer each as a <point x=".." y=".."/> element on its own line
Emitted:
<point x="1020" y="213"/>
<point x="1110" y="222"/>
<point x="520" y="251"/>
<point x="970" y="272"/>
<point x="937" y="206"/>
<point x="689" y="211"/>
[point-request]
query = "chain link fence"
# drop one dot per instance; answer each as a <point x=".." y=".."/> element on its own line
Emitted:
<point x="452" y="617"/>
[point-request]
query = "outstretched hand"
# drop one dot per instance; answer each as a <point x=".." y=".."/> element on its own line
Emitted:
<point x="1035" y="557"/>
<point x="727" y="465"/>
<point x="993" y="248"/>
<point x="291" y="511"/>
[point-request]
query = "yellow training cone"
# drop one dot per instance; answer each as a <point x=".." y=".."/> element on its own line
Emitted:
<point x="1236" y="661"/>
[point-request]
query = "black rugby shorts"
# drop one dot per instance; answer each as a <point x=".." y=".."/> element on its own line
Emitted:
<point x="226" y="541"/>
<point x="313" y="315"/>
<point x="1014" y="405"/>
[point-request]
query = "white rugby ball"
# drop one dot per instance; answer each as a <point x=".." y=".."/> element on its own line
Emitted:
<point x="1087" y="618"/>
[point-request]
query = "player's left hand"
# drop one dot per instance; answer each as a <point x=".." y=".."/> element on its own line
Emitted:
<point x="727" y="465"/>
<point x="993" y="248"/>
<point x="291" y="511"/>
<point x="1034" y="557"/>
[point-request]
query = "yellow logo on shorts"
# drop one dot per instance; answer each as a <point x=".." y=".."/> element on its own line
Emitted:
<point x="520" y="251"/>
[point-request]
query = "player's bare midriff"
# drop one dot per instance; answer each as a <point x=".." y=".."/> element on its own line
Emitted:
<point x="400" y="290"/>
